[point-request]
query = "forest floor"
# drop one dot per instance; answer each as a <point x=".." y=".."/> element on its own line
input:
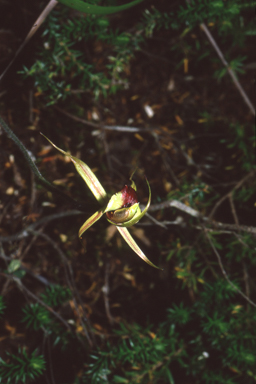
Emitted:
<point x="184" y="144"/>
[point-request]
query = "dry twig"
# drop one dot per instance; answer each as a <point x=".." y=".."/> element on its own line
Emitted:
<point x="230" y="71"/>
<point x="225" y="273"/>
<point x="49" y="7"/>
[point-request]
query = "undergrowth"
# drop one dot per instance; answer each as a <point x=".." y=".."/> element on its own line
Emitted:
<point x="207" y="335"/>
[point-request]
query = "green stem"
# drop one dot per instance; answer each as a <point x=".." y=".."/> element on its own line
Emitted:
<point x="96" y="9"/>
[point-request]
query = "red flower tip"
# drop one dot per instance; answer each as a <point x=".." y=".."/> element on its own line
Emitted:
<point x="129" y="196"/>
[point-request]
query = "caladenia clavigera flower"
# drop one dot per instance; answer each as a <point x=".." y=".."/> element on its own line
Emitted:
<point x="122" y="210"/>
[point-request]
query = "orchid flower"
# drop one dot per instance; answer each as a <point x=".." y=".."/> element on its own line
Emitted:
<point x="122" y="210"/>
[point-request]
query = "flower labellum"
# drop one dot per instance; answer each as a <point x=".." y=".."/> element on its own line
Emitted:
<point x="129" y="195"/>
<point x="122" y="210"/>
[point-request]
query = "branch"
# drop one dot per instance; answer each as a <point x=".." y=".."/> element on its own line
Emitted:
<point x="41" y="279"/>
<point x="101" y="126"/>
<point x="193" y="212"/>
<point x="70" y="282"/>
<point x="225" y="273"/>
<point x="105" y="290"/>
<point x="34" y="168"/>
<point x="229" y="194"/>
<point x="230" y="70"/>
<point x="22" y="287"/>
<point x="26" y="231"/>
<point x="32" y="31"/>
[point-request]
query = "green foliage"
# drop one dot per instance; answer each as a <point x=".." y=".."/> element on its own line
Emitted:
<point x="178" y="314"/>
<point x="56" y="295"/>
<point x="223" y="13"/>
<point x="226" y="18"/>
<point x="15" y="269"/>
<point x="242" y="139"/>
<point x="200" y="340"/>
<point x="65" y="68"/>
<point x="21" y="368"/>
<point x="195" y="193"/>
<point x="219" y="11"/>
<point x="208" y="333"/>
<point x="138" y="356"/>
<point x="36" y="316"/>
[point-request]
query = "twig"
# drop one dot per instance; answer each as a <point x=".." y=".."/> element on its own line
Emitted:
<point x="41" y="279"/>
<point x="76" y="118"/>
<point x="106" y="148"/>
<point x="25" y="232"/>
<point x="228" y="228"/>
<point x="238" y="185"/>
<point x="50" y="350"/>
<point x="33" y="167"/>
<point x="29" y="293"/>
<point x="159" y="223"/>
<point x="105" y="290"/>
<point x="176" y="204"/>
<point x="225" y="273"/>
<point x="24" y="253"/>
<point x="230" y="71"/>
<point x="33" y="192"/>
<point x="100" y="126"/>
<point x="5" y="209"/>
<point x="37" y="24"/>
<point x="164" y="223"/>
<point x="233" y="210"/>
<point x="164" y="156"/>
<point x="69" y="278"/>
<point x="30" y="106"/>
<point x="246" y="281"/>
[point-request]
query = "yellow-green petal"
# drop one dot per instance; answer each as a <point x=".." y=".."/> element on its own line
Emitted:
<point x="131" y="242"/>
<point x="86" y="173"/>
<point x="140" y="214"/>
<point x="115" y="202"/>
<point x="133" y="185"/>
<point x="95" y="217"/>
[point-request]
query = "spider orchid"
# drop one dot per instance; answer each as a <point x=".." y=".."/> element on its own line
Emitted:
<point x="122" y="210"/>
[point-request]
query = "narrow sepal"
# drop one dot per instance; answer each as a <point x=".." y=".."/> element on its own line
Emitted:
<point x="87" y="175"/>
<point x="133" y="185"/>
<point x="131" y="242"/>
<point x="89" y="222"/>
